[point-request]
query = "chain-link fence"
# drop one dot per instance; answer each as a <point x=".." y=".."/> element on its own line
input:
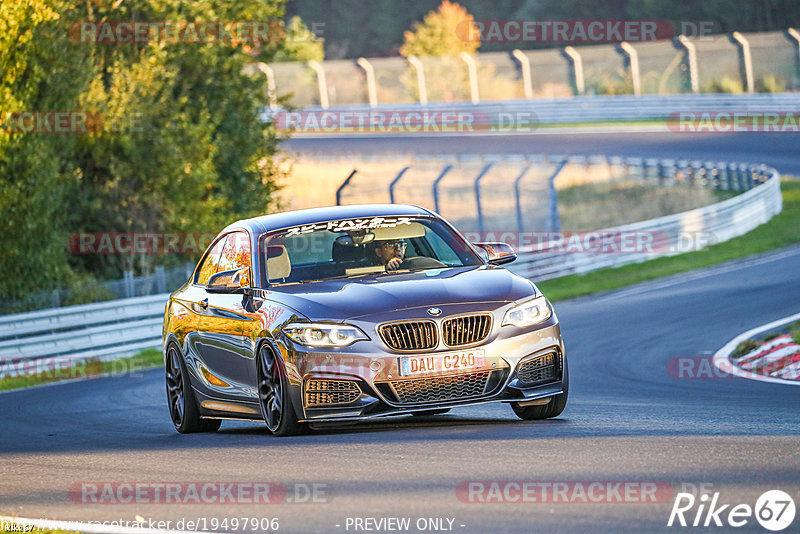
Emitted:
<point x="717" y="63"/>
<point x="160" y="281"/>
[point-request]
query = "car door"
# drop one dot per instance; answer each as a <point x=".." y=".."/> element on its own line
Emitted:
<point x="226" y="365"/>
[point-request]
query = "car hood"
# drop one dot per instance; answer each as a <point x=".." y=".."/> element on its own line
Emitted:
<point x="342" y="299"/>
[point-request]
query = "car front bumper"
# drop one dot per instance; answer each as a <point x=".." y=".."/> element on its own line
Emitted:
<point x="323" y="383"/>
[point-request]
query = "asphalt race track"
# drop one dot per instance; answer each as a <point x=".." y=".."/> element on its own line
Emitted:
<point x="779" y="150"/>
<point x="627" y="420"/>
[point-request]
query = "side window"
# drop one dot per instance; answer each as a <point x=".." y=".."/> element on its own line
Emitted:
<point x="236" y="254"/>
<point x="209" y="265"/>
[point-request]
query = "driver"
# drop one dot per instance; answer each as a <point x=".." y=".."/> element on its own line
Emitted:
<point x="391" y="253"/>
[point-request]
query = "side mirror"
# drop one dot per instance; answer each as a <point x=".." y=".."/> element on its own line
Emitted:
<point x="496" y="253"/>
<point x="233" y="281"/>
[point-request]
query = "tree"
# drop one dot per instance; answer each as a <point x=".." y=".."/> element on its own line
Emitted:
<point x="444" y="32"/>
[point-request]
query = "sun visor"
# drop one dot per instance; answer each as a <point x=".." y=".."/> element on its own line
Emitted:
<point x="401" y="231"/>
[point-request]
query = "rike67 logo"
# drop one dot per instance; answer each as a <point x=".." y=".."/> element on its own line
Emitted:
<point x="774" y="510"/>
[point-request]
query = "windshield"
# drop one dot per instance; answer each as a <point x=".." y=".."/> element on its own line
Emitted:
<point x="357" y="247"/>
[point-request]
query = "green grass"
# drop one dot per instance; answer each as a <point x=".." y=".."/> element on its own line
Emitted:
<point x="89" y="368"/>
<point x="781" y="231"/>
<point x="623" y="201"/>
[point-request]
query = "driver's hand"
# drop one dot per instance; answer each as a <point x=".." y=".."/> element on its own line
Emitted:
<point x="393" y="264"/>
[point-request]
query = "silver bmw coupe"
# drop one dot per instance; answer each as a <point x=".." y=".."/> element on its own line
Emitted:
<point x="355" y="312"/>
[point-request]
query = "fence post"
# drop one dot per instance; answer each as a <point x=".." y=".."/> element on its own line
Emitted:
<point x="436" y="187"/>
<point x="394" y="183"/>
<point x="272" y="92"/>
<point x="372" y="90"/>
<point x="129" y="292"/>
<point x="525" y="65"/>
<point x="321" y="82"/>
<point x="56" y="298"/>
<point x="553" y="220"/>
<point x="472" y="68"/>
<point x="421" y="88"/>
<point x="478" y="196"/>
<point x="577" y="68"/>
<point x="691" y="59"/>
<point x="517" y="195"/>
<point x="745" y="60"/>
<point x="633" y="61"/>
<point x="344" y="184"/>
<point x="794" y="36"/>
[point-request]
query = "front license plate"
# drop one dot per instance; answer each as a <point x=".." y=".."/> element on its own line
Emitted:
<point x="465" y="360"/>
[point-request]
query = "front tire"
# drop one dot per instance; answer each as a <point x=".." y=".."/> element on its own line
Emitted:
<point x="182" y="404"/>
<point x="273" y="394"/>
<point x="549" y="410"/>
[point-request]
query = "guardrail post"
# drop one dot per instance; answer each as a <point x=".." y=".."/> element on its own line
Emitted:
<point x="518" y="196"/>
<point x="129" y="292"/>
<point x="633" y="61"/>
<point x="472" y="69"/>
<point x="394" y="182"/>
<point x="478" y="196"/>
<point x="794" y="36"/>
<point x="691" y="60"/>
<point x="553" y="219"/>
<point x="344" y="184"/>
<point x="369" y="71"/>
<point x="525" y="66"/>
<point x="420" y="70"/>
<point x="576" y="64"/>
<point x="161" y="282"/>
<point x="322" y="83"/>
<point x="269" y="74"/>
<point x="436" y="187"/>
<point x="725" y="175"/>
<point x="745" y="60"/>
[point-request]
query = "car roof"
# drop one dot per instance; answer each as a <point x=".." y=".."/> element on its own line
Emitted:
<point x="287" y="219"/>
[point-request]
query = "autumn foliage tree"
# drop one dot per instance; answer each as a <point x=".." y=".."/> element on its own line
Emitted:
<point x="442" y="33"/>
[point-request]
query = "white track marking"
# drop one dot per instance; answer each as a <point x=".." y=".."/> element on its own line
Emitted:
<point x="723" y="363"/>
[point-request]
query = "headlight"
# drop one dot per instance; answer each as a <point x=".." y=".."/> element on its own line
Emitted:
<point x="528" y="313"/>
<point x="324" y="335"/>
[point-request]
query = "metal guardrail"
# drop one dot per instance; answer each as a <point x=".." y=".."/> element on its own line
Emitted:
<point x="104" y="330"/>
<point x="668" y="235"/>
<point x="525" y="115"/>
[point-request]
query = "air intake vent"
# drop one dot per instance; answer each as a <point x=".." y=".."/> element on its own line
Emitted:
<point x="323" y="393"/>
<point x="540" y="370"/>
<point x="441" y="388"/>
<point x="410" y="336"/>
<point x="467" y="330"/>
